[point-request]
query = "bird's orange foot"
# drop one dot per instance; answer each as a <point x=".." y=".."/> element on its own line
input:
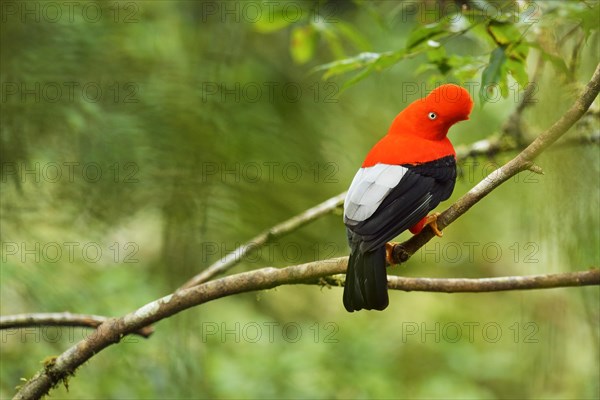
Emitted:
<point x="431" y="220"/>
<point x="389" y="255"/>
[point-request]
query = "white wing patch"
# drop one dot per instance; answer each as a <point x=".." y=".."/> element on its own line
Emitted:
<point x="368" y="189"/>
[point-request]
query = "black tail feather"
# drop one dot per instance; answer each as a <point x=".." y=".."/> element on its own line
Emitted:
<point x="366" y="281"/>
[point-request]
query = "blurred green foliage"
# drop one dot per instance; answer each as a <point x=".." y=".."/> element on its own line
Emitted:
<point x="166" y="133"/>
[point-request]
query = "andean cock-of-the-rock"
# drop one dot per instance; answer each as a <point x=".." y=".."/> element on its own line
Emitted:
<point x="404" y="177"/>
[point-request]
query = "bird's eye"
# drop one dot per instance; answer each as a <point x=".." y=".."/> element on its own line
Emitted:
<point x="432" y="115"/>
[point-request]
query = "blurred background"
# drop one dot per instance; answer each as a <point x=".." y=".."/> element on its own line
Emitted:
<point x="144" y="140"/>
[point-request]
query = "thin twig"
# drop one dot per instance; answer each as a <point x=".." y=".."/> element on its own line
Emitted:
<point x="237" y="255"/>
<point x="568" y="279"/>
<point x="513" y="127"/>
<point x="19" y="321"/>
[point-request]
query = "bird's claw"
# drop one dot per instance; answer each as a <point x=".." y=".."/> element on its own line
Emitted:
<point x="431" y="220"/>
<point x="389" y="253"/>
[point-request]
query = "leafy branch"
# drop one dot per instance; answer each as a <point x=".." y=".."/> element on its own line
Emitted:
<point x="506" y="33"/>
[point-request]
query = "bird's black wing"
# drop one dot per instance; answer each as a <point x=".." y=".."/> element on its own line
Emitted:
<point x="376" y="213"/>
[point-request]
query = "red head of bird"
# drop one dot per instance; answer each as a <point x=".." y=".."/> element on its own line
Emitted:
<point x="432" y="116"/>
<point x="418" y="133"/>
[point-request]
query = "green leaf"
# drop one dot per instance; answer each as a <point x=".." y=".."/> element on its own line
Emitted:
<point x="549" y="54"/>
<point x="465" y="68"/>
<point x="389" y="58"/>
<point x="518" y="51"/>
<point x="369" y="62"/>
<point x="303" y="43"/>
<point x="493" y="74"/>
<point x="427" y="32"/>
<point x="339" y="67"/>
<point x="518" y="70"/>
<point x="504" y="33"/>
<point x="384" y="60"/>
<point x="357" y="78"/>
<point x="437" y="56"/>
<point x="421" y="69"/>
<point x="586" y="15"/>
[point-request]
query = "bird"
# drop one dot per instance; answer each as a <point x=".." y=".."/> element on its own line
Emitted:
<point x="402" y="179"/>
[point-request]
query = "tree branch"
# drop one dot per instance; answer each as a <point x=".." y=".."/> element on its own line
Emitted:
<point x="445" y="285"/>
<point x="60" y="319"/>
<point x="112" y="330"/>
<point x="495" y="145"/>
<point x="480" y="285"/>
